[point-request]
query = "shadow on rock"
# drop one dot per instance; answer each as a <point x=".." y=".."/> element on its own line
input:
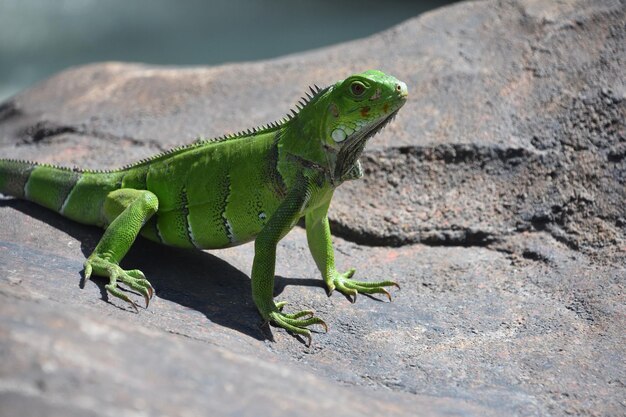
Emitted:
<point x="194" y="279"/>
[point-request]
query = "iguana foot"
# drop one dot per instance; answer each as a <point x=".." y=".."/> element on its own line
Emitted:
<point x="351" y="287"/>
<point x="293" y="322"/>
<point x="134" y="278"/>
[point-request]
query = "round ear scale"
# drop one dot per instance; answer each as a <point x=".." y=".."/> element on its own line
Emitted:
<point x="338" y="135"/>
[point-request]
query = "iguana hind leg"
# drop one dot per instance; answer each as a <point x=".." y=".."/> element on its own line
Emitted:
<point x="126" y="211"/>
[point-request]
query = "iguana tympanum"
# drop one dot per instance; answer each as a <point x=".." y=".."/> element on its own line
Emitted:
<point x="217" y="193"/>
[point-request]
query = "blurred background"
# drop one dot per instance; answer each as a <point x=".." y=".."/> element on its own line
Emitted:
<point x="41" y="37"/>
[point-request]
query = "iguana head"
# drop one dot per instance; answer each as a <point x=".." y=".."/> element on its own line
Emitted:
<point x="358" y="107"/>
<point x="332" y="126"/>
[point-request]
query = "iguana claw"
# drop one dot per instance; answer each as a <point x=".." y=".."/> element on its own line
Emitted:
<point x="113" y="290"/>
<point x="134" y="278"/>
<point x="350" y="287"/>
<point x="293" y="322"/>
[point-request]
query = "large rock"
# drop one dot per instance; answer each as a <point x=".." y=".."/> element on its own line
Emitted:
<point x="496" y="199"/>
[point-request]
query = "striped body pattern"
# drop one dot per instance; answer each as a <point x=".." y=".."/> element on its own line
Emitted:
<point x="213" y="199"/>
<point x="217" y="193"/>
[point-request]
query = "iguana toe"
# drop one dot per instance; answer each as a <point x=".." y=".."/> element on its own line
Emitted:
<point x="294" y="324"/>
<point x="114" y="291"/>
<point x="133" y="278"/>
<point x="350" y="287"/>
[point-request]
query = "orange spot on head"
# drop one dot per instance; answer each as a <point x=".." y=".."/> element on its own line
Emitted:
<point x="386" y="107"/>
<point x="364" y="111"/>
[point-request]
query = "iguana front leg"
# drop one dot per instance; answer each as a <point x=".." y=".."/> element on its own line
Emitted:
<point x="263" y="266"/>
<point x="126" y="210"/>
<point x="321" y="247"/>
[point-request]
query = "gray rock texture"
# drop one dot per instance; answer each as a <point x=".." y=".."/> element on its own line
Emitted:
<point x="497" y="199"/>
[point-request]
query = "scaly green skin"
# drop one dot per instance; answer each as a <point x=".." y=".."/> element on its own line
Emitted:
<point x="223" y="192"/>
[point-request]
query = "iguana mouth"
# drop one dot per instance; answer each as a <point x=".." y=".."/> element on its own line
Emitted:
<point x="355" y="143"/>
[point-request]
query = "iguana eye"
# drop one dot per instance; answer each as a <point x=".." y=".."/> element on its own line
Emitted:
<point x="357" y="88"/>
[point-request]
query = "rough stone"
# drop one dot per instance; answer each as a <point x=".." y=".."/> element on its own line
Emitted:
<point x="497" y="200"/>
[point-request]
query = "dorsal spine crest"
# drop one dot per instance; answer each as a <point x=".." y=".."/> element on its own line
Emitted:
<point x="316" y="92"/>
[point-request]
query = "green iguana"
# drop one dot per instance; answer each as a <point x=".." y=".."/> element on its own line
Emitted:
<point x="212" y="194"/>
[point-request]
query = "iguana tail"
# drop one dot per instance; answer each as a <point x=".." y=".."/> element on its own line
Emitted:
<point x="78" y="195"/>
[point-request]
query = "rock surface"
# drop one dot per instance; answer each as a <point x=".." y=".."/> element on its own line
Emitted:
<point x="497" y="200"/>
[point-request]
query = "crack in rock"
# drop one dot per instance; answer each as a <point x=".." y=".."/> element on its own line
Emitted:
<point x="472" y="195"/>
<point x="46" y="131"/>
<point x="43" y="131"/>
<point x="9" y="110"/>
